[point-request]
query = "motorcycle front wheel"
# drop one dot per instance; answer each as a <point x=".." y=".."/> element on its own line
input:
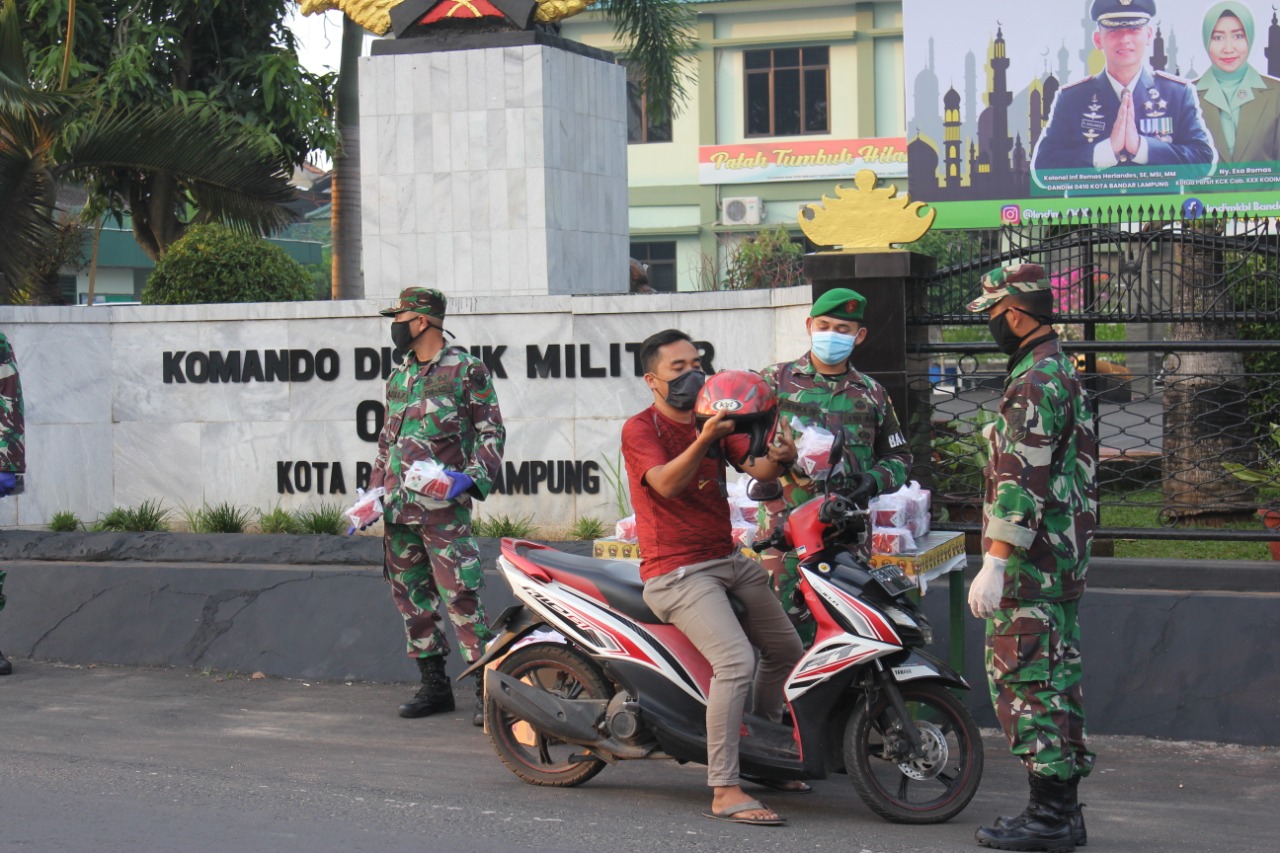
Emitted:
<point x="930" y="788"/>
<point x="537" y="758"/>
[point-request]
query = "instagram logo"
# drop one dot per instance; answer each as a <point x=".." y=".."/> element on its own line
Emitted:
<point x="1011" y="214"/>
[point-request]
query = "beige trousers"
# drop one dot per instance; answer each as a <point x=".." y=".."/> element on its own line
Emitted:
<point x="695" y="599"/>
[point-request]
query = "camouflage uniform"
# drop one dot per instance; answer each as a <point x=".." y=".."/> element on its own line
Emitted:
<point x="1041" y="497"/>
<point x="853" y="403"/>
<point x="13" y="455"/>
<point x="445" y="409"/>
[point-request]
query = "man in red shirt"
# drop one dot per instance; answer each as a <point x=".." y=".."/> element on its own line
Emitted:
<point x="690" y="566"/>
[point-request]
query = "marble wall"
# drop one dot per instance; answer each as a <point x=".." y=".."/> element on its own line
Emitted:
<point x="122" y="407"/>
<point x="494" y="171"/>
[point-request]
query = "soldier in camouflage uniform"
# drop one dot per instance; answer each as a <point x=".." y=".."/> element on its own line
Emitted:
<point x="441" y="406"/>
<point x="13" y="456"/>
<point x="822" y="388"/>
<point x="1039" y="516"/>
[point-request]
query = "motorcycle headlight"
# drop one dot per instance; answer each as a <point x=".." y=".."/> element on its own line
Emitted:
<point x="900" y="617"/>
<point x="913" y="623"/>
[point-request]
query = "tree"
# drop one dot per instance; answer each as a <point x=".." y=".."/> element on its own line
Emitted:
<point x="214" y="163"/>
<point x="214" y="263"/>
<point x="234" y="59"/>
<point x="1206" y="421"/>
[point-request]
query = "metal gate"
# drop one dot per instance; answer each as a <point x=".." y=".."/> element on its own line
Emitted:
<point x="1175" y="326"/>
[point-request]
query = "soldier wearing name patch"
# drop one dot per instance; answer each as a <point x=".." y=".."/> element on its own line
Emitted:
<point x="441" y="407"/>
<point x="13" y="456"/>
<point x="823" y="389"/>
<point x="1039" y="517"/>
<point x="1129" y="115"/>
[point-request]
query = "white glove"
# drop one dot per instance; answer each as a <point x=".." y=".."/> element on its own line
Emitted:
<point x="987" y="586"/>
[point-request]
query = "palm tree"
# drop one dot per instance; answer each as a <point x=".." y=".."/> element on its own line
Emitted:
<point x="221" y="168"/>
<point x="659" y="36"/>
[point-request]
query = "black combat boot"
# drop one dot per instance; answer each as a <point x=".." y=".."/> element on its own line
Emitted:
<point x="1074" y="815"/>
<point x="1044" y="825"/>
<point x="5" y="666"/>
<point x="477" y="719"/>
<point x="435" y="694"/>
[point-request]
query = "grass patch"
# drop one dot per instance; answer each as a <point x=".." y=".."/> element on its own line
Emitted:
<point x="147" y="516"/>
<point x="278" y="520"/>
<point x="1142" y="509"/>
<point x="219" y="518"/>
<point x="327" y="518"/>
<point x="502" y="526"/>
<point x="65" y="522"/>
<point x="587" y="529"/>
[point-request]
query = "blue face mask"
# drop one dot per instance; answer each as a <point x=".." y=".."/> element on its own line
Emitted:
<point x="832" y="347"/>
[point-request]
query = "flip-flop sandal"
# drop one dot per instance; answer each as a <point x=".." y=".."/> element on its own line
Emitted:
<point x="779" y="785"/>
<point x="732" y="813"/>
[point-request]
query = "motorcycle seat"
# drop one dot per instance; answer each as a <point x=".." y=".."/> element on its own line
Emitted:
<point x="618" y="581"/>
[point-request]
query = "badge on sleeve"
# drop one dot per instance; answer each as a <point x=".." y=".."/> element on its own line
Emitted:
<point x="1015" y="420"/>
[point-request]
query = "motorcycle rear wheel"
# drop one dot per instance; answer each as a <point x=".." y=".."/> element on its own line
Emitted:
<point x="537" y="758"/>
<point x="929" y="790"/>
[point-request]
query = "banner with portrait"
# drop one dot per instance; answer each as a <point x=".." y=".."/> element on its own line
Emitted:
<point x="1020" y="111"/>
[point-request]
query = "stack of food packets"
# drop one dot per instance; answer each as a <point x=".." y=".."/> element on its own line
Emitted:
<point x="742" y="513"/>
<point x="899" y="519"/>
<point x="625" y="530"/>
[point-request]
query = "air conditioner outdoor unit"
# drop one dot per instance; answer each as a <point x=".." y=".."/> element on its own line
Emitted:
<point x="744" y="210"/>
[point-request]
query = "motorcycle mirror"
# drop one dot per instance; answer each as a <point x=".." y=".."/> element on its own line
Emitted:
<point x="764" y="490"/>
<point x="837" y="452"/>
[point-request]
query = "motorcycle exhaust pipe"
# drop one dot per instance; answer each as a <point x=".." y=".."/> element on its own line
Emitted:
<point x="571" y="720"/>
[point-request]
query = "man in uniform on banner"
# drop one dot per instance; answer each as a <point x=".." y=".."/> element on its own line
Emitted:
<point x="442" y="411"/>
<point x="1039" y="515"/>
<point x="1129" y="115"/>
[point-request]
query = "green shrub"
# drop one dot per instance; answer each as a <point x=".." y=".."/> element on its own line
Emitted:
<point x="149" y="515"/>
<point x="219" y="518"/>
<point x="65" y="522"/>
<point x="768" y="259"/>
<point x="323" y="519"/>
<point x="215" y="263"/>
<point x="278" y="520"/>
<point x="504" y="526"/>
<point x="587" y="529"/>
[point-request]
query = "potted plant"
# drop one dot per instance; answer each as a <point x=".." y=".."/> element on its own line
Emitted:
<point x="1266" y="476"/>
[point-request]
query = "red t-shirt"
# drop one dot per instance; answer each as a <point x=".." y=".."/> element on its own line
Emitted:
<point x="692" y="527"/>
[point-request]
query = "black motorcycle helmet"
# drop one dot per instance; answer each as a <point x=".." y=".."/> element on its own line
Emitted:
<point x="746" y="399"/>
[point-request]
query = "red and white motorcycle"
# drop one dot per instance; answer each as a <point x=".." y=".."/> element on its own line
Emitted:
<point x="583" y="674"/>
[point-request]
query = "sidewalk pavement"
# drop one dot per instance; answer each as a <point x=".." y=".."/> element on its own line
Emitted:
<point x="108" y="759"/>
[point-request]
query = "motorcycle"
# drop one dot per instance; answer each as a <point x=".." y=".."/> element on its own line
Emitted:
<point x="584" y="675"/>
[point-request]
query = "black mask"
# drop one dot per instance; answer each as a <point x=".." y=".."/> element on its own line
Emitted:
<point x="682" y="392"/>
<point x="1006" y="339"/>
<point x="401" y="336"/>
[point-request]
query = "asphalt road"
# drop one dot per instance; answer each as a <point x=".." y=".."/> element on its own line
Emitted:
<point x="108" y="759"/>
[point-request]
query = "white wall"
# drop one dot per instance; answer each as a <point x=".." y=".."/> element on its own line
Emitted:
<point x="104" y="428"/>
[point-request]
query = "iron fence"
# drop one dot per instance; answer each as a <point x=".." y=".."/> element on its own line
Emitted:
<point x="1175" y="327"/>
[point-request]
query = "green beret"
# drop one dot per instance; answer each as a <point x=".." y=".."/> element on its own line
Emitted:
<point x="423" y="300"/>
<point x="1007" y="281"/>
<point x="841" y="303"/>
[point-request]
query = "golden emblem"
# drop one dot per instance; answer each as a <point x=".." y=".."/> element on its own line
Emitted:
<point x="866" y="217"/>
<point x="375" y="15"/>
